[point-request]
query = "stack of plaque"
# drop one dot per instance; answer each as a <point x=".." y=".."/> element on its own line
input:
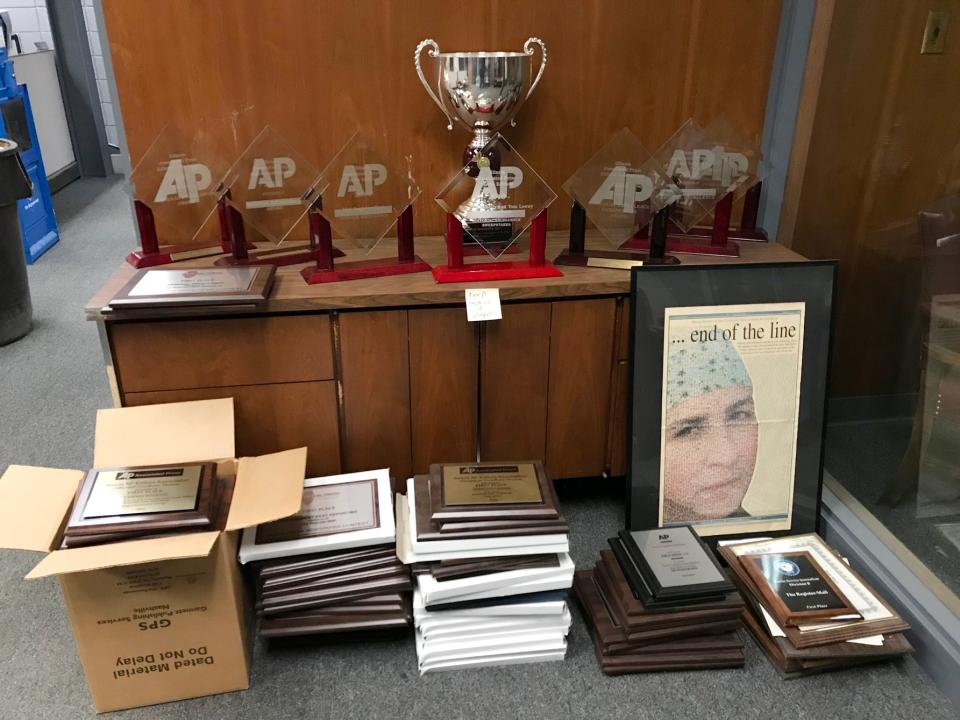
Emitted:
<point x="658" y="601"/>
<point x="114" y="504"/>
<point x="481" y="510"/>
<point x="809" y="611"/>
<point x="332" y="567"/>
<point x="489" y="548"/>
<point x="336" y="592"/>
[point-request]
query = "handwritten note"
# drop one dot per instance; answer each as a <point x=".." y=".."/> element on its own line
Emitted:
<point x="483" y="304"/>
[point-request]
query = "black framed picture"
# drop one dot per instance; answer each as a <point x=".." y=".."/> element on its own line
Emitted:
<point x="729" y="369"/>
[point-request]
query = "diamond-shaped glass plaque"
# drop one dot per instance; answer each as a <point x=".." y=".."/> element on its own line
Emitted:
<point x="740" y="165"/>
<point x="176" y="178"/>
<point x="271" y="184"/>
<point x="621" y="187"/>
<point x="364" y="193"/>
<point x="687" y="159"/>
<point x="496" y="198"/>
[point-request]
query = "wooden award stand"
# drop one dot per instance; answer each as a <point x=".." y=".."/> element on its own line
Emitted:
<point x="150" y="254"/>
<point x="535" y="266"/>
<point x="233" y="237"/>
<point x="720" y="233"/>
<point x="405" y="261"/>
<point x="627" y="255"/>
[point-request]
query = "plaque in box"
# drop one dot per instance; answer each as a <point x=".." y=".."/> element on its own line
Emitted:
<point x="364" y="195"/>
<point x="267" y="192"/>
<point x="138" y="500"/>
<point x="174" y="194"/>
<point x="338" y="512"/>
<point x="491" y="492"/>
<point x="495" y="199"/>
<point x="194" y="287"/>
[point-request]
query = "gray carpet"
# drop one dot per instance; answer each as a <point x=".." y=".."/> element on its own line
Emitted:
<point x="52" y="381"/>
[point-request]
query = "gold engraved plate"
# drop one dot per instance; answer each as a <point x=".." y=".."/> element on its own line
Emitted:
<point x="491" y="484"/>
<point x="137" y="492"/>
<point x="326" y="510"/>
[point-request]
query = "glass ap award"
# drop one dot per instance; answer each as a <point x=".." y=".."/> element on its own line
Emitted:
<point x="270" y="187"/>
<point x="621" y="189"/>
<point x="361" y="195"/>
<point x="174" y="194"/>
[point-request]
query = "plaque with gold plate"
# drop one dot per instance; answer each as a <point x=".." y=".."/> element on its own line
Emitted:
<point x="119" y="503"/>
<point x="491" y="492"/>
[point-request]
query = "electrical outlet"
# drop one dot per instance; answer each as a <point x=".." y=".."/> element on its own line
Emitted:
<point x="935" y="33"/>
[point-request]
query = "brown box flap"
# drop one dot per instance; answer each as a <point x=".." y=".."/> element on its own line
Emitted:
<point x="132" y="552"/>
<point x="33" y="504"/>
<point x="164" y="434"/>
<point x="268" y="487"/>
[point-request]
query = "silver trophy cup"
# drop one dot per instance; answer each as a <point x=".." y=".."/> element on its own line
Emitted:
<point x="484" y="89"/>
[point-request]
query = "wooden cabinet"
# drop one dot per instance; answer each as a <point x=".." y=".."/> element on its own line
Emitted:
<point x="398" y="388"/>
<point x="581" y="365"/>
<point x="273" y="417"/>
<point x="514" y="376"/>
<point x="375" y="385"/>
<point x="185" y="354"/>
<point x="443" y="386"/>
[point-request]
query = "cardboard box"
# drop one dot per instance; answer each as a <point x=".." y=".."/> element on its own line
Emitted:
<point x="160" y="619"/>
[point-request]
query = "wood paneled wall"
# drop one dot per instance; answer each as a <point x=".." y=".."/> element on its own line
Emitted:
<point x="318" y="70"/>
<point x="884" y="144"/>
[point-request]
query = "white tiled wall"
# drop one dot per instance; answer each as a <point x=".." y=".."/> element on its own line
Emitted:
<point x="30" y="21"/>
<point x="100" y="71"/>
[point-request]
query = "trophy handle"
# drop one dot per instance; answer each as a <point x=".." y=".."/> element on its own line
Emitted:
<point x="543" y="61"/>
<point x="434" y="51"/>
<point x="528" y="50"/>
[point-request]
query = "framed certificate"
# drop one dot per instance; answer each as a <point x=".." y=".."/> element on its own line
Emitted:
<point x="337" y="512"/>
<point x="114" y="502"/>
<point x="728" y="391"/>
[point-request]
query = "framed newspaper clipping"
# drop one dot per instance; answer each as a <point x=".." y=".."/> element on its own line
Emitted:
<point x="729" y="367"/>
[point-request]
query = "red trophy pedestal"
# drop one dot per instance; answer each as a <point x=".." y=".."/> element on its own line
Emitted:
<point x="233" y="233"/>
<point x="150" y="253"/>
<point x="535" y="266"/>
<point x="405" y="261"/>
<point x="748" y="230"/>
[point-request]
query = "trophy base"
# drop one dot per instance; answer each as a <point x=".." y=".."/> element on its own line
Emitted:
<point x="279" y="258"/>
<point x="364" y="269"/>
<point x="507" y="270"/>
<point x="686" y="244"/>
<point x="611" y="259"/>
<point x="140" y="259"/>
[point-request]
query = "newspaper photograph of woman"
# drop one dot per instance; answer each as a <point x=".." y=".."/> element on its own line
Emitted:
<point x="731" y="381"/>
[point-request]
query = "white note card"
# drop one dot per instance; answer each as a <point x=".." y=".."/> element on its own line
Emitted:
<point x="483" y="304"/>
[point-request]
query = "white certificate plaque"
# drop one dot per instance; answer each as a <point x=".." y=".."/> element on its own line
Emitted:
<point x="338" y="512"/>
<point x="327" y="509"/>
<point x="141" y="492"/>
<point x="194" y="280"/>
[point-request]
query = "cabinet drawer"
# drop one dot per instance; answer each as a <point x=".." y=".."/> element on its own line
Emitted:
<point x="271" y="418"/>
<point x="179" y="355"/>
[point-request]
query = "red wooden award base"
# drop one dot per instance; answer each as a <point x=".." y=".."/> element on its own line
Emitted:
<point x="535" y="266"/>
<point x="232" y="227"/>
<point x="150" y="254"/>
<point x="719" y="244"/>
<point x="748" y="229"/>
<point x="406" y="261"/>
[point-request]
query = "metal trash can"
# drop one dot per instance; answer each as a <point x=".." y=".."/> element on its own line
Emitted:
<point x="16" y="313"/>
